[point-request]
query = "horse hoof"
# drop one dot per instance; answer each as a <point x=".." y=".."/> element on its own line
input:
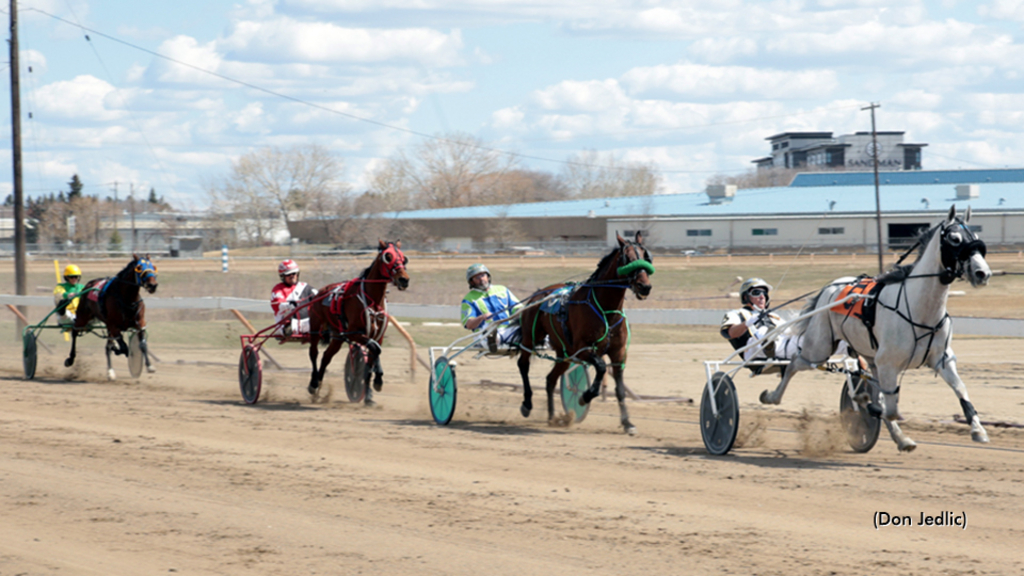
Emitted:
<point x="765" y="398"/>
<point x="631" y="430"/>
<point x="908" y="446"/>
<point x="150" y="369"/>
<point x="312" y="389"/>
<point x="980" y="436"/>
<point x="369" y="403"/>
<point x="111" y="375"/>
<point x="525" y="411"/>
<point x="69" y="362"/>
<point x="378" y="385"/>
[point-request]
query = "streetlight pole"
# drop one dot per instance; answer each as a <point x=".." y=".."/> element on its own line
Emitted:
<point x="878" y="202"/>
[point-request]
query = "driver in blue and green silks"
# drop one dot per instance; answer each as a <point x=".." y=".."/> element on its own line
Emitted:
<point x="486" y="303"/>
<point x="66" y="295"/>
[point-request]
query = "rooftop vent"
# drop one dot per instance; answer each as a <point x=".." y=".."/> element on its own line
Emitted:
<point x="967" y="191"/>
<point x="721" y="193"/>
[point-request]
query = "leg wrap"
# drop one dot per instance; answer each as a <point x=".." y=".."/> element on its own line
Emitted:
<point x="969" y="411"/>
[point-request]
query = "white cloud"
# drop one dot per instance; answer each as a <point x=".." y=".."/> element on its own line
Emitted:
<point x="508" y="118"/>
<point x="1003" y="10"/>
<point x="587" y="96"/>
<point x="287" y="40"/>
<point x="702" y="81"/>
<point x="84" y="98"/>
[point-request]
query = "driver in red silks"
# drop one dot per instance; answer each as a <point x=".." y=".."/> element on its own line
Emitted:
<point x="287" y="296"/>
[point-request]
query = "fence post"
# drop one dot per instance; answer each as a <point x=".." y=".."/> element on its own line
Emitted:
<point x="224" y="258"/>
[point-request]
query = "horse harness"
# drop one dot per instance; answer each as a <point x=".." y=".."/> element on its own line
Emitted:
<point x="375" y="314"/>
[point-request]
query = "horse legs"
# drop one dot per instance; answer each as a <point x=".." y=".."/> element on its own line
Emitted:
<point x="110" y="347"/>
<point x="144" y="347"/>
<point x="618" y="370"/>
<point x="552" y="381"/>
<point x="314" y="353"/>
<point x="946" y="367"/>
<point x="888" y="379"/>
<point x="318" y="375"/>
<point x="524" y="371"/>
<point x="600" y="367"/>
<point x="70" y="360"/>
<point x="373" y="360"/>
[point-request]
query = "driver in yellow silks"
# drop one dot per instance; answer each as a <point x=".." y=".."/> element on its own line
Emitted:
<point x="66" y="294"/>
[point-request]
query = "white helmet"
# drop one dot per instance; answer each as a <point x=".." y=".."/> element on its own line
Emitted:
<point x="749" y="285"/>
<point x="476" y="269"/>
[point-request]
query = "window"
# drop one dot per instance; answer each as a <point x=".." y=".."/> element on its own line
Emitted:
<point x="833" y="231"/>
<point x="699" y="232"/>
<point x="765" y="232"/>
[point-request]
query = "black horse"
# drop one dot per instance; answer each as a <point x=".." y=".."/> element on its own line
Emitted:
<point x="117" y="304"/>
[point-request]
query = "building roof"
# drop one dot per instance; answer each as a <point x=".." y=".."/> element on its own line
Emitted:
<point x="800" y="135"/>
<point x="909" y="177"/>
<point x="753" y="202"/>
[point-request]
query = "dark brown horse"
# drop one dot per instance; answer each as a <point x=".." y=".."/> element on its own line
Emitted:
<point x="356" y="311"/>
<point x="117" y="304"/>
<point x="590" y="326"/>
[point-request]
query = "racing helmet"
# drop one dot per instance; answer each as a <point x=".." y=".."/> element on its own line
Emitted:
<point x="287" y="267"/>
<point x="751" y="283"/>
<point x="72" y="270"/>
<point x="475" y="269"/>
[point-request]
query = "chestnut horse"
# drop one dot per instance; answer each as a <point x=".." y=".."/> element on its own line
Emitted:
<point x="117" y="304"/>
<point x="356" y="311"/>
<point x="591" y="326"/>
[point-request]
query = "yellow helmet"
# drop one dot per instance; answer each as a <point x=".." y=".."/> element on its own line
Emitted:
<point x="72" y="270"/>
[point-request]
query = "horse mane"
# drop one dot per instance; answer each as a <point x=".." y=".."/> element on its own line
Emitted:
<point x="600" y="265"/>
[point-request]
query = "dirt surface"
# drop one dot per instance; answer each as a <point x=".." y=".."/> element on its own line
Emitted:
<point x="174" y="474"/>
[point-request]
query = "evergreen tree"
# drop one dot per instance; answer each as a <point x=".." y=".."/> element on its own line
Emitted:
<point x="115" y="242"/>
<point x="9" y="201"/>
<point x="75" y="186"/>
<point x="152" y="197"/>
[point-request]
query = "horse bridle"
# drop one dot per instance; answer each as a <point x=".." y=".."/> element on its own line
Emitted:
<point x="144" y="268"/>
<point x="393" y="259"/>
<point x="958" y="245"/>
<point x="642" y="255"/>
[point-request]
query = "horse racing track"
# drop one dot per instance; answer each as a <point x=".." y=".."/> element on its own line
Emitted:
<point x="175" y="474"/>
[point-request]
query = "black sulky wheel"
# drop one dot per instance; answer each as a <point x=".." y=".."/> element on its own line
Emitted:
<point x="29" y="354"/>
<point x="355" y="373"/>
<point x="135" y="355"/>
<point x="443" y="391"/>
<point x="719" y="431"/>
<point x="250" y="374"/>
<point x="861" y="427"/>
<point x="574" y="383"/>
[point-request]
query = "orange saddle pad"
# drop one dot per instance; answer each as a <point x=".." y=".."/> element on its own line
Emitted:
<point x="854" y="307"/>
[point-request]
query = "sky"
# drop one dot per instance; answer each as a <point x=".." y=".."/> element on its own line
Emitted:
<point x="166" y="95"/>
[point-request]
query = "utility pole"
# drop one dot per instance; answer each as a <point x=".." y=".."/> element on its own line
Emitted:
<point x="115" y="212"/>
<point x="878" y="202"/>
<point x="19" y="199"/>
<point x="131" y="195"/>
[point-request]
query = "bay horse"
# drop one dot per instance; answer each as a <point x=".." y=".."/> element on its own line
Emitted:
<point x="356" y="311"/>
<point x="116" y="302"/>
<point x="591" y="326"/>
<point x="911" y="327"/>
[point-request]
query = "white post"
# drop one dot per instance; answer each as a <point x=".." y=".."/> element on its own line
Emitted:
<point x="224" y="259"/>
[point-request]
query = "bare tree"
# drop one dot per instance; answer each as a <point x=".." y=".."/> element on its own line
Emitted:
<point x="765" y="177"/>
<point x="446" y="172"/>
<point x="588" y="175"/>
<point x="270" y="185"/>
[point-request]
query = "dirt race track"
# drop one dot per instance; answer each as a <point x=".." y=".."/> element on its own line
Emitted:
<point x="174" y="474"/>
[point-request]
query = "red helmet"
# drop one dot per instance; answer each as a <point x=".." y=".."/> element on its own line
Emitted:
<point x="287" y="267"/>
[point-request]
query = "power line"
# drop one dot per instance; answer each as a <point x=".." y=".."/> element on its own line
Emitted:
<point x="360" y="118"/>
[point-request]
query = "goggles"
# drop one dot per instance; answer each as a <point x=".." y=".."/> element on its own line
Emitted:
<point x="758" y="292"/>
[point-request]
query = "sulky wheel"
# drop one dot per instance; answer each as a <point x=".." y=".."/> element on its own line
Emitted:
<point x="574" y="383"/>
<point x="442" y="391"/>
<point x="135" y="355"/>
<point x="29" y="354"/>
<point x="861" y="427"/>
<point x="250" y="374"/>
<point x="355" y="373"/>
<point x="719" y="431"/>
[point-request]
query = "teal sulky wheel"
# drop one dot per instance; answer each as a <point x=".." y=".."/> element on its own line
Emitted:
<point x="250" y="374"/>
<point x="861" y="427"/>
<point x="442" y="391"/>
<point x="574" y="383"/>
<point x="29" y="354"/>
<point x="355" y="373"/>
<point x="719" y="430"/>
